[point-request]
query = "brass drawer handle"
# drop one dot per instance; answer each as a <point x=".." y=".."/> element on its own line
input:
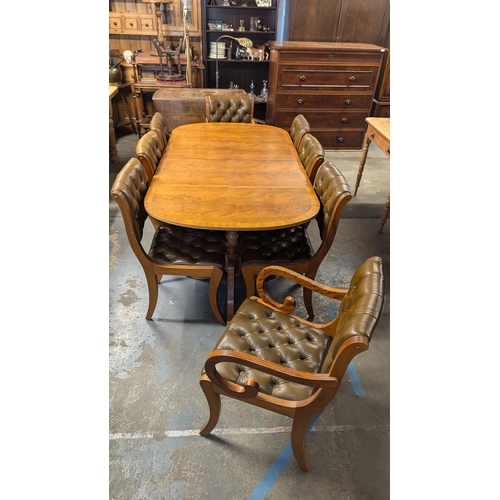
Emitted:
<point x="352" y="78"/>
<point x="302" y="78"/>
<point x="147" y="25"/>
<point x="300" y="102"/>
<point x="130" y="24"/>
<point x="114" y="23"/>
<point x="348" y="101"/>
<point x="344" y="120"/>
<point x="340" y="139"/>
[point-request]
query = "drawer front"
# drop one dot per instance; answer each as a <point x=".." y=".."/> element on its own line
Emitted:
<point x="115" y="23"/>
<point x="343" y="79"/>
<point x="324" y="119"/>
<point x="304" y="101"/>
<point x="331" y="57"/>
<point x="334" y="139"/>
<point x="146" y="24"/>
<point x="130" y="23"/>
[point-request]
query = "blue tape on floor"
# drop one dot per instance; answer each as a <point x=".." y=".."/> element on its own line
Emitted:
<point x="274" y="472"/>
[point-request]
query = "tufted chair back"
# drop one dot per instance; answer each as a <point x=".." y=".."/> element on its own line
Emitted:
<point x="292" y="247"/>
<point x="270" y="358"/>
<point x="174" y="250"/>
<point x="311" y="154"/>
<point x="159" y="124"/>
<point x="149" y="151"/>
<point x="300" y="127"/>
<point x="230" y="108"/>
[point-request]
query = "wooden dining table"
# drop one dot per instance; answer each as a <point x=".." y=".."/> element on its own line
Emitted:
<point x="231" y="177"/>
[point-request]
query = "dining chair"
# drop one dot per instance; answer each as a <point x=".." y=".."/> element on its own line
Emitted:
<point x="273" y="359"/>
<point x="159" y="124"/>
<point x="149" y="150"/>
<point x="300" y="127"/>
<point x="174" y="250"/>
<point x="236" y="108"/>
<point x="311" y="154"/>
<point x="291" y="247"/>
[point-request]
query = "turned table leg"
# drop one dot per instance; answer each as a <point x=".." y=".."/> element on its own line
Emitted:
<point x="362" y="163"/>
<point x="231" y="254"/>
<point x="386" y="211"/>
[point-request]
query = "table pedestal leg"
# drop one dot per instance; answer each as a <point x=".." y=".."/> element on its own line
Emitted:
<point x="231" y="254"/>
<point x="362" y="163"/>
<point x="386" y="211"/>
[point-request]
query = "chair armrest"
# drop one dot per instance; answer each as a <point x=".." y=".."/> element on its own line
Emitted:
<point x="251" y="388"/>
<point x="289" y="302"/>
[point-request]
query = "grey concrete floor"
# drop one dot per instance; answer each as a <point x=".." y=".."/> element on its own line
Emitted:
<point x="156" y="405"/>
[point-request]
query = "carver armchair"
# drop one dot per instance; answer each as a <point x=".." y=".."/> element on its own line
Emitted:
<point x="174" y="250"/>
<point x="272" y="359"/>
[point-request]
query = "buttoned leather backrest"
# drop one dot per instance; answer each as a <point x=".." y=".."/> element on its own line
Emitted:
<point x="129" y="189"/>
<point x="331" y="187"/>
<point x="230" y="108"/>
<point x="311" y="154"/>
<point x="300" y="127"/>
<point x="159" y="124"/>
<point x="359" y="310"/>
<point x="148" y="150"/>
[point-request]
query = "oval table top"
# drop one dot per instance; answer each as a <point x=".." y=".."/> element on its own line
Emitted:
<point x="231" y="176"/>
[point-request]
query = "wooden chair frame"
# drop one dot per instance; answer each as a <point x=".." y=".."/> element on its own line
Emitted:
<point x="326" y="383"/>
<point x="339" y="198"/>
<point x="130" y="199"/>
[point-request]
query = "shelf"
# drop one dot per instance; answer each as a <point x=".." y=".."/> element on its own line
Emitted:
<point x="238" y="7"/>
<point x="237" y="61"/>
<point x="240" y="32"/>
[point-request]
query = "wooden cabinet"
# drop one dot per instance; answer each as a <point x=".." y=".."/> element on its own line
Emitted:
<point x="133" y="25"/>
<point x="331" y="84"/>
<point x="239" y="71"/>
<point x="349" y="21"/>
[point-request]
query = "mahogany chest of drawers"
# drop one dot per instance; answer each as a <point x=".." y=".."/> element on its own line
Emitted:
<point x="331" y="84"/>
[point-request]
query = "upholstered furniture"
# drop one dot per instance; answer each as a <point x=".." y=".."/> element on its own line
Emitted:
<point x="311" y="154"/>
<point x="230" y="108"/>
<point x="174" y="250"/>
<point x="272" y="359"/>
<point x="149" y="150"/>
<point x="159" y="124"/>
<point x="300" y="127"/>
<point x="291" y="247"/>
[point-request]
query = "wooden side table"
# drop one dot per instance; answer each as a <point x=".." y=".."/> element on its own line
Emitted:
<point x="378" y="132"/>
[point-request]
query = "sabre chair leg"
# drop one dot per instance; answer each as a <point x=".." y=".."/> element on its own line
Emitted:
<point x="213" y="288"/>
<point x="153" y="293"/>
<point x="301" y="422"/>
<point x="249" y="278"/>
<point x="214" y="404"/>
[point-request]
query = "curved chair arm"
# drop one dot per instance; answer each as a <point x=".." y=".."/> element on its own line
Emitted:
<point x="251" y="388"/>
<point x="289" y="302"/>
